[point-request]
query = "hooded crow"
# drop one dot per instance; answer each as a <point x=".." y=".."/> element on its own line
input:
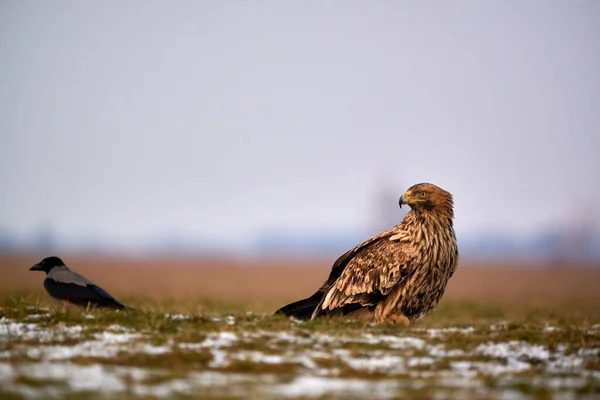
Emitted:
<point x="65" y="285"/>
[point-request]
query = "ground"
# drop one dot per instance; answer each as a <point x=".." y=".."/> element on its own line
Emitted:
<point x="536" y="344"/>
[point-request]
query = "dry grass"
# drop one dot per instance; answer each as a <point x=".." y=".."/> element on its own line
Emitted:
<point x="271" y="282"/>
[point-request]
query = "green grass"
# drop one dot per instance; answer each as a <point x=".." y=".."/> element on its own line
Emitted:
<point x="228" y="352"/>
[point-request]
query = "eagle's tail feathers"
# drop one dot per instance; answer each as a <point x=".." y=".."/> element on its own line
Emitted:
<point x="302" y="309"/>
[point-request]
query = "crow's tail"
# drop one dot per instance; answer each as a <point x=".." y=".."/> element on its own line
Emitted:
<point x="302" y="309"/>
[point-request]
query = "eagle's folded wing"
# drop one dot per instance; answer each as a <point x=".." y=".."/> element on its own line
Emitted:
<point x="371" y="272"/>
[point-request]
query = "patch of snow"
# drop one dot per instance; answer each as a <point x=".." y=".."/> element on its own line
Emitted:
<point x="512" y="366"/>
<point x="395" y="342"/>
<point x="386" y="363"/>
<point x="79" y="377"/>
<point x="177" y="317"/>
<point x="219" y="358"/>
<point x="307" y="362"/>
<point x="412" y="362"/>
<point x="73" y="331"/>
<point x="549" y="328"/>
<point x="522" y="355"/>
<point x="434" y="333"/>
<point x="191" y="346"/>
<point x="116" y="338"/>
<point x="220" y="339"/>
<point x="493" y="368"/>
<point x="6" y="372"/>
<point x="259" y="357"/>
<point x="105" y="345"/>
<point x="118" y="328"/>
<point x="321" y="354"/>
<point x="38" y="316"/>
<point x="461" y="366"/>
<point x="499" y="326"/>
<point x="563" y="363"/>
<point x="164" y="390"/>
<point x="593" y="374"/>
<point x="60" y="352"/>
<point x="513" y="349"/>
<point x="288" y="337"/>
<point x="439" y="351"/>
<point x="313" y="386"/>
<point x="117" y="379"/>
<point x="155" y="350"/>
<point x="587" y="352"/>
<point x="137" y="374"/>
<point x="9" y="329"/>
<point x="318" y="339"/>
<point x="215" y="342"/>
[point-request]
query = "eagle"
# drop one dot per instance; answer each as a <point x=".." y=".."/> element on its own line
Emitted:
<point x="398" y="275"/>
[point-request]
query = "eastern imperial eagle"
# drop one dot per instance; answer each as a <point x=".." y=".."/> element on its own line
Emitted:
<point x="398" y="275"/>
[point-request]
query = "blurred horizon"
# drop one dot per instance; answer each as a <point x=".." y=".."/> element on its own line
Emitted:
<point x="568" y="244"/>
<point x="246" y="128"/>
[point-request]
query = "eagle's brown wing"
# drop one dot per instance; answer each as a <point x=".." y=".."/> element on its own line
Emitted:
<point x="342" y="261"/>
<point x="367" y="272"/>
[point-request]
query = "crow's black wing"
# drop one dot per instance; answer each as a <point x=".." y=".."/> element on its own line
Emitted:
<point x="81" y="295"/>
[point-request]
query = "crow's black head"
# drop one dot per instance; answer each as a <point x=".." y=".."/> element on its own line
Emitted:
<point x="47" y="264"/>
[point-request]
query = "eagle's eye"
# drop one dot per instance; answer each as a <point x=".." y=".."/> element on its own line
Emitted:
<point x="423" y="194"/>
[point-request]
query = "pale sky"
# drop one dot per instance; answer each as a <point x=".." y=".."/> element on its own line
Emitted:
<point x="222" y="119"/>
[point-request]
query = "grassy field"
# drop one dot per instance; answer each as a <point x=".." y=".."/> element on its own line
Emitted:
<point x="203" y="329"/>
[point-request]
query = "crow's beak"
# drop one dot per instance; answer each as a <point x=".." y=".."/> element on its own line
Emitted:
<point x="405" y="198"/>
<point x="36" y="267"/>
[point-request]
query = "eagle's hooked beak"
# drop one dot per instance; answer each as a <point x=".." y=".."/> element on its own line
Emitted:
<point x="405" y="198"/>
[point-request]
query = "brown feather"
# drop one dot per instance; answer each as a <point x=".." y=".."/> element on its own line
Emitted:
<point x="400" y="273"/>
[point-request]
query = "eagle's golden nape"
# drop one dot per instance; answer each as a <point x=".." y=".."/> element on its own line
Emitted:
<point x="398" y="275"/>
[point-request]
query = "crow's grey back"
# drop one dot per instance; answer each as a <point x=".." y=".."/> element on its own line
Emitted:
<point x="65" y="275"/>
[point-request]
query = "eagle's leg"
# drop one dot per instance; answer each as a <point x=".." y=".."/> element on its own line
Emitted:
<point x="399" y="319"/>
<point x="387" y="310"/>
<point x="391" y="318"/>
<point x="363" y="314"/>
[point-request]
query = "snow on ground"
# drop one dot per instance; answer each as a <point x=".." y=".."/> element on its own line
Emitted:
<point x="323" y="364"/>
<point x="313" y="386"/>
<point x="440" y="332"/>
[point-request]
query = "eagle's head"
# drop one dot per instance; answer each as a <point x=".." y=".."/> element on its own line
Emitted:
<point x="427" y="196"/>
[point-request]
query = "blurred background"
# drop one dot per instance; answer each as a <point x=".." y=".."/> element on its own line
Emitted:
<point x="255" y="130"/>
